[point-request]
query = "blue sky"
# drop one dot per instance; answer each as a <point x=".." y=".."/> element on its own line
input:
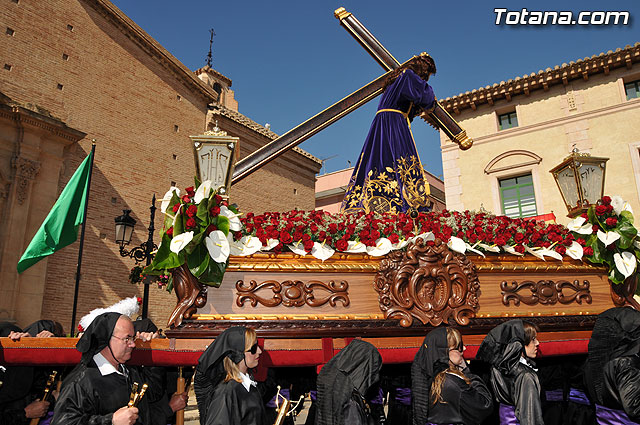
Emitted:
<point x="289" y="60"/>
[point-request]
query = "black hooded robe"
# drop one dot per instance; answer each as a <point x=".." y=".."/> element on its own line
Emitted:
<point x="612" y="371"/>
<point x="463" y="403"/>
<point x="342" y="383"/>
<point x="226" y="403"/>
<point x="16" y="390"/>
<point x="89" y="398"/>
<point x="514" y="381"/>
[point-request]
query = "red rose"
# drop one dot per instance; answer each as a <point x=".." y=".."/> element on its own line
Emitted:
<point x="560" y="249"/>
<point x="211" y="228"/>
<point x="176" y="207"/>
<point x="313" y="228"/>
<point x="519" y="237"/>
<point x="581" y="241"/>
<point x="170" y="231"/>
<point x="237" y="236"/>
<point x="190" y="224"/>
<point x="601" y="209"/>
<point x="190" y="191"/>
<point x="306" y="237"/>
<point x="519" y="249"/>
<point x="606" y="200"/>
<point x="595" y="228"/>
<point x="333" y="228"/>
<point x="500" y="241"/>
<point x="394" y="238"/>
<point x="588" y="250"/>
<point x="341" y="245"/>
<point x="609" y="208"/>
<point x="218" y="199"/>
<point x="139" y="300"/>
<point x="585" y="216"/>
<point x="297" y="236"/>
<point x="192" y="210"/>
<point x="611" y="221"/>
<point x="186" y="199"/>
<point x="308" y="245"/>
<point x="285" y="237"/>
<point x="214" y="211"/>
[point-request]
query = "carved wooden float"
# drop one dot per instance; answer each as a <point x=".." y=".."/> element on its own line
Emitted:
<point x="395" y="300"/>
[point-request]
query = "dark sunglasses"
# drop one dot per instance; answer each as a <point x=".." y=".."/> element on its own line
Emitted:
<point x="459" y="347"/>
<point x="253" y="349"/>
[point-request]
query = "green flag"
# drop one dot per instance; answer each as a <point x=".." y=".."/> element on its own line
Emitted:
<point x="60" y="228"/>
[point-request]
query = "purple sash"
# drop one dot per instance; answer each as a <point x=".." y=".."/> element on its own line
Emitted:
<point x="554" y="395"/>
<point x="46" y="419"/>
<point x="379" y="398"/>
<point x="606" y="416"/>
<point x="283" y="392"/>
<point x="579" y="397"/>
<point x="507" y="414"/>
<point x="403" y="396"/>
<point x="313" y="394"/>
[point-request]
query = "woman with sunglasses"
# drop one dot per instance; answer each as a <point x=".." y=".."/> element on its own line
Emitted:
<point x="225" y="390"/>
<point x="510" y="349"/>
<point x="443" y="388"/>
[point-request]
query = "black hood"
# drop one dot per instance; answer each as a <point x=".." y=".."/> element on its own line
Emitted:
<point x="431" y="359"/>
<point x="354" y="368"/>
<point x="616" y="333"/>
<point x="210" y="370"/>
<point x="97" y="336"/>
<point x="16" y="380"/>
<point x="44" y="325"/>
<point x="503" y="346"/>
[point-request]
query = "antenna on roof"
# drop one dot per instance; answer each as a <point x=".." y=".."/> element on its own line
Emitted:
<point x="210" y="56"/>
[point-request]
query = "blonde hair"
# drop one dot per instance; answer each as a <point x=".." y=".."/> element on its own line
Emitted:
<point x="233" y="373"/>
<point x="454" y="340"/>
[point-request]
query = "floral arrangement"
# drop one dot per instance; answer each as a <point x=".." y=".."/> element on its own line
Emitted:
<point x="135" y="275"/>
<point x="199" y="228"/>
<point x="609" y="236"/>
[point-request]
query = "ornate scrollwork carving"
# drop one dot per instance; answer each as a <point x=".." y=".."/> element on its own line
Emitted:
<point x="428" y="282"/>
<point x="545" y="292"/>
<point x="26" y="170"/>
<point x="293" y="293"/>
<point x="191" y="295"/>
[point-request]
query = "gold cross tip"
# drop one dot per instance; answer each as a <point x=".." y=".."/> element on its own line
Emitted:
<point x="341" y="13"/>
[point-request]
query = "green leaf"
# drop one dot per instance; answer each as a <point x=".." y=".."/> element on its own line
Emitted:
<point x="178" y="226"/>
<point x="170" y="285"/>
<point x="197" y="239"/>
<point x="168" y="217"/>
<point x="627" y="233"/>
<point x="223" y="224"/>
<point x="627" y="215"/>
<point x="165" y="258"/>
<point x="615" y="276"/>
<point x="596" y="258"/>
<point x="149" y="270"/>
<point x="198" y="260"/>
<point x="196" y="182"/>
<point x="203" y="212"/>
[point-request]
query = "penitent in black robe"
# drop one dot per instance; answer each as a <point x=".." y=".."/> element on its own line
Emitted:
<point x="89" y="398"/>
<point x="232" y="404"/>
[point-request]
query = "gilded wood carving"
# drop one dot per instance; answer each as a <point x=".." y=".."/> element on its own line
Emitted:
<point x="428" y="282"/>
<point x="293" y="293"/>
<point x="191" y="295"/>
<point x="546" y="292"/>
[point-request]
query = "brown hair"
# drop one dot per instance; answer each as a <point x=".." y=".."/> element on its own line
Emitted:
<point x="530" y="332"/>
<point x="230" y="367"/>
<point x="423" y="65"/>
<point x="454" y="341"/>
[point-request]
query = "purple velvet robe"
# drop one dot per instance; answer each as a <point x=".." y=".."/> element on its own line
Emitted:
<point x="388" y="176"/>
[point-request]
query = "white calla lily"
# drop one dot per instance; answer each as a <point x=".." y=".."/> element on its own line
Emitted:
<point x="383" y="247"/>
<point x="298" y="248"/>
<point x="577" y="225"/>
<point x="271" y="243"/>
<point x="473" y="249"/>
<point x="167" y="198"/>
<point x="180" y="241"/>
<point x="235" y="224"/>
<point x="218" y="246"/>
<point x="203" y="191"/>
<point x="636" y="243"/>
<point x="535" y="252"/>
<point x="550" y="253"/>
<point x="426" y="237"/>
<point x="322" y="251"/>
<point x="457" y="245"/>
<point x="511" y="250"/>
<point x="620" y="205"/>
<point x="625" y="263"/>
<point x="401" y="244"/>
<point x="490" y="248"/>
<point x="608" y="238"/>
<point x="355" y="247"/>
<point x="575" y="251"/>
<point x="248" y="245"/>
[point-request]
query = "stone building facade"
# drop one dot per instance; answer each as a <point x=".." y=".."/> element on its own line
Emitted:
<point x="77" y="70"/>
<point x="524" y="127"/>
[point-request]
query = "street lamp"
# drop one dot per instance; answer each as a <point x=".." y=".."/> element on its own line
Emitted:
<point x="580" y="178"/>
<point x="214" y="153"/>
<point x="124" y="230"/>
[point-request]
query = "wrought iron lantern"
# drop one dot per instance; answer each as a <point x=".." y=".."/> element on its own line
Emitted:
<point x="124" y="228"/>
<point x="214" y="153"/>
<point x="580" y="178"/>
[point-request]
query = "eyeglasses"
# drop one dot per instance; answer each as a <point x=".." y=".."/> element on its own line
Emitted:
<point x="253" y="349"/>
<point x="126" y="339"/>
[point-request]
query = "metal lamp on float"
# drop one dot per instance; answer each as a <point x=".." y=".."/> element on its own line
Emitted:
<point x="580" y="178"/>
<point x="214" y="153"/>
